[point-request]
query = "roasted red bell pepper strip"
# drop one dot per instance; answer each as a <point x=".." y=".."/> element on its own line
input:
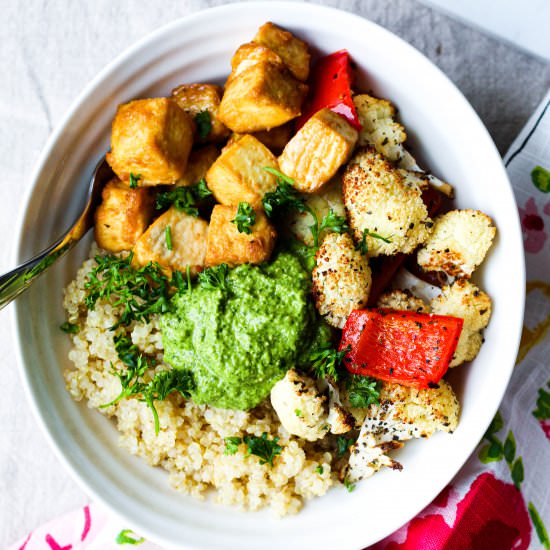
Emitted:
<point x="330" y="84"/>
<point x="413" y="349"/>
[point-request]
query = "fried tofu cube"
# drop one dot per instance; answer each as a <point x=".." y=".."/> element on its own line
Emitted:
<point x="199" y="98"/>
<point x="182" y="245"/>
<point x="238" y="174"/>
<point x="293" y="51"/>
<point x="458" y="244"/>
<point x="151" y="138"/>
<point x="200" y="161"/>
<point x="260" y="97"/>
<point x="226" y="245"/>
<point x="249" y="54"/>
<point x="123" y="216"/>
<point x="314" y="155"/>
<point x="274" y="139"/>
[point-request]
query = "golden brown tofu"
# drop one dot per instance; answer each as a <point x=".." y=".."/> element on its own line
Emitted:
<point x="238" y="174"/>
<point x="151" y="138"/>
<point x="226" y="245"/>
<point x="197" y="98"/>
<point x="184" y="244"/>
<point x="122" y="217"/>
<point x="323" y="144"/>
<point x="249" y="54"/>
<point x="274" y="139"/>
<point x="260" y="97"/>
<point x="199" y="162"/>
<point x="293" y="51"/>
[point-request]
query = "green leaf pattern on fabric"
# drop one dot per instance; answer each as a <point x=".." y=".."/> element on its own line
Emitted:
<point x="541" y="179"/>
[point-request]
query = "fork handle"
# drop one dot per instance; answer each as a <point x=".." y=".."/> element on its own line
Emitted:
<point x="15" y="282"/>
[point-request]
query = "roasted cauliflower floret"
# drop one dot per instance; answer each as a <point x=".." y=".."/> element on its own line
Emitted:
<point x="368" y="456"/>
<point x="403" y="413"/>
<point x="185" y="233"/>
<point x="199" y="162"/>
<point x="387" y="136"/>
<point x="465" y="300"/>
<point x="379" y="127"/>
<point x="323" y="144"/>
<point x="302" y="410"/>
<point x="261" y="96"/>
<point x="196" y="99"/>
<point x="458" y="244"/>
<point x="406" y="413"/>
<point x="293" y="51"/>
<point x="339" y="419"/>
<point x="151" y="138"/>
<point x="380" y="200"/>
<point x="238" y="174"/>
<point x="122" y="217"/>
<point x="226" y="245"/>
<point x="328" y="198"/>
<point x="402" y="300"/>
<point x="341" y="279"/>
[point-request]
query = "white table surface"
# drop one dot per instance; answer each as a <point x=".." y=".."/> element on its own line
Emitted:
<point x="51" y="49"/>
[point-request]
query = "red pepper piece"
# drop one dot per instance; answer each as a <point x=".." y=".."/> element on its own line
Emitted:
<point x="330" y="83"/>
<point x="413" y="349"/>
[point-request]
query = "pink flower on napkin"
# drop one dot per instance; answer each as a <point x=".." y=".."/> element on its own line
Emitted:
<point x="534" y="235"/>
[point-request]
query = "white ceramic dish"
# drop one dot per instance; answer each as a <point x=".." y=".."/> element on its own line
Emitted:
<point x="448" y="137"/>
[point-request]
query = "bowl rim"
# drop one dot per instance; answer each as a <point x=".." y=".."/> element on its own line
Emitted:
<point x="88" y="90"/>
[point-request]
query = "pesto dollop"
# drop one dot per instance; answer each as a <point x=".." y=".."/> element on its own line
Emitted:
<point x="240" y="340"/>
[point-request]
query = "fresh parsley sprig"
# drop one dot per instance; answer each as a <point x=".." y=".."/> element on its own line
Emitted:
<point x="132" y="378"/>
<point x="343" y="444"/>
<point x="134" y="180"/>
<point x="286" y="196"/>
<point x="203" y="121"/>
<point x="214" y="277"/>
<point x="363" y="245"/>
<point x="184" y="199"/>
<point x="363" y="390"/>
<point x="69" y="328"/>
<point x="142" y="291"/>
<point x="261" y="447"/>
<point x="245" y="218"/>
<point x="325" y="361"/>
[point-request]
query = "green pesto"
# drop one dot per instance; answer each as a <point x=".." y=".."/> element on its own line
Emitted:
<point x="238" y="342"/>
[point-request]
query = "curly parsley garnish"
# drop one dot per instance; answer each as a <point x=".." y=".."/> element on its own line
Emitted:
<point x="127" y="536"/>
<point x="350" y="487"/>
<point x="142" y="291"/>
<point x="214" y="277"/>
<point x="134" y="180"/>
<point x="286" y="196"/>
<point x="363" y="391"/>
<point x="168" y="237"/>
<point x="133" y="383"/>
<point x="266" y="450"/>
<point x="69" y="328"/>
<point x="184" y="199"/>
<point x="343" y="444"/>
<point x="363" y="246"/>
<point x="245" y="218"/>
<point x="325" y="360"/>
<point x="204" y="123"/>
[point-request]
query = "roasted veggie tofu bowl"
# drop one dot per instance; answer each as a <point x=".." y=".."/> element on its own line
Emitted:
<point x="303" y="297"/>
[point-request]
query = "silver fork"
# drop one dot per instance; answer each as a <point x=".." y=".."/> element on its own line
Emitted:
<point x="19" y="279"/>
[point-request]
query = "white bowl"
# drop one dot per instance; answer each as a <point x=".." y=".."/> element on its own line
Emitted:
<point x="448" y="137"/>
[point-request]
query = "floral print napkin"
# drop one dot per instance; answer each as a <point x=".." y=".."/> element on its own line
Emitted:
<point x="500" y="500"/>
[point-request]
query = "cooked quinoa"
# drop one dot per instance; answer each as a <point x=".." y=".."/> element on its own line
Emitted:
<point x="190" y="444"/>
